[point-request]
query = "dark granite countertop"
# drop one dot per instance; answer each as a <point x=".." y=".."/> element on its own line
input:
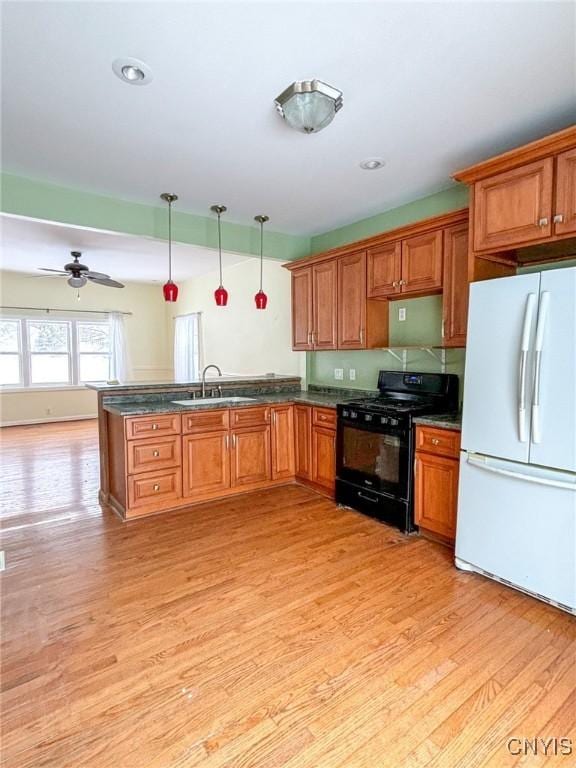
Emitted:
<point x="138" y="408"/>
<point x="441" y="420"/>
<point x="137" y="387"/>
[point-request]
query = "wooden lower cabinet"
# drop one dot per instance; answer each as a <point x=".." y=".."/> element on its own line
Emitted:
<point x="303" y="441"/>
<point x="206" y="464"/>
<point x="324" y="457"/>
<point x="436" y="473"/>
<point x="250" y="456"/>
<point x="282" y="439"/>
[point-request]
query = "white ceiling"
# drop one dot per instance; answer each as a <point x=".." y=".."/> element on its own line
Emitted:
<point x="430" y="87"/>
<point x="28" y="244"/>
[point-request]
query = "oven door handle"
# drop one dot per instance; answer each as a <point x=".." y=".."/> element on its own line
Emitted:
<point x="367" y="498"/>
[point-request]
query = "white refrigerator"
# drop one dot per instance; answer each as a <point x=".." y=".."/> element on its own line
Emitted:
<point x="517" y="494"/>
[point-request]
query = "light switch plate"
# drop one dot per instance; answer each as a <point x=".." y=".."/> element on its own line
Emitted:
<point x="352" y="374"/>
<point x="339" y="374"/>
<point x="402" y="314"/>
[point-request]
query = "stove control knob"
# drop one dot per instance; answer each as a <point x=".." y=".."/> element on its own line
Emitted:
<point x="353" y="415"/>
<point x="394" y="422"/>
<point x="384" y="420"/>
<point x="345" y="413"/>
<point x="367" y="417"/>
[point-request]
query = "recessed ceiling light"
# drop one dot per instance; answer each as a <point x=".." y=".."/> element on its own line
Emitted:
<point x="372" y="164"/>
<point x="132" y="71"/>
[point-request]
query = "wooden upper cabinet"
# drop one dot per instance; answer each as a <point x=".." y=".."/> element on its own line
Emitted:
<point x="282" y="442"/>
<point x="302" y="312"/>
<point x="205" y="464"/>
<point x="456" y="286"/>
<point x="422" y="263"/>
<point x="384" y="270"/>
<point x="303" y="441"/>
<point x="352" y="301"/>
<point x="324" y="301"/>
<point x="250" y="456"/>
<point x="514" y="207"/>
<point x="564" y="219"/>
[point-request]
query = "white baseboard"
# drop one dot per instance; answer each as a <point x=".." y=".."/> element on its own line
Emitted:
<point x="47" y="420"/>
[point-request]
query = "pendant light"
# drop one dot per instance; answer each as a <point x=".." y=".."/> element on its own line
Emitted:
<point x="260" y="298"/>
<point x="170" y="289"/>
<point x="220" y="294"/>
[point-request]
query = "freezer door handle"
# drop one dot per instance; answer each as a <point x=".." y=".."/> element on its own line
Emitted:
<point x="538" y="347"/>
<point x="483" y="463"/>
<point x="524" y="349"/>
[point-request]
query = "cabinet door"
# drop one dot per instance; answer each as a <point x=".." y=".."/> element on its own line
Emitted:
<point x="565" y="210"/>
<point x="250" y="456"/>
<point x="303" y="441"/>
<point x="384" y="270"/>
<point x="513" y="207"/>
<point x="302" y="317"/>
<point x="324" y="457"/>
<point x="352" y="301"/>
<point x="325" y="297"/>
<point x="282" y="442"/>
<point x="456" y="286"/>
<point x="436" y="494"/>
<point x="422" y="263"/>
<point x="205" y="464"/>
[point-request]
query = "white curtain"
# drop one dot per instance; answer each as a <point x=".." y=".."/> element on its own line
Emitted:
<point x="119" y="360"/>
<point x="187" y="351"/>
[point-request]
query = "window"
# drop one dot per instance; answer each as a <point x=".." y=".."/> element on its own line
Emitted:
<point x="43" y="353"/>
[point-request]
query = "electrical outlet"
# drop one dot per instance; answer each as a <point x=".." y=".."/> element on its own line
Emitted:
<point x="339" y="374"/>
<point x="352" y="374"/>
<point x="402" y="314"/>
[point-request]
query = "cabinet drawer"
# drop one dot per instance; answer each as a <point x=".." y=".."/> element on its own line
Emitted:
<point x="443" y="442"/>
<point x="146" y="455"/>
<point x="154" y="488"/>
<point x="324" y="417"/>
<point x="152" y="426"/>
<point x="249" y="417"/>
<point x="205" y="421"/>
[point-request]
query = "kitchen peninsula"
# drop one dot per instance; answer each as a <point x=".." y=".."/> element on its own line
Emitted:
<point x="162" y="447"/>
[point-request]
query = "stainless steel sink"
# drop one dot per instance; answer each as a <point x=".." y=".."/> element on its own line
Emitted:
<point x="213" y="400"/>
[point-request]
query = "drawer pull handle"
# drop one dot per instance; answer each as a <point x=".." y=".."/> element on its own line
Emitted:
<point x="156" y="453"/>
<point x="154" y="426"/>
<point x="543" y="222"/>
<point x="156" y="486"/>
<point x="435" y="441"/>
<point x="558" y="218"/>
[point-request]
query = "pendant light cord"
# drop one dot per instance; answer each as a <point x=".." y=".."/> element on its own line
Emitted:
<point x="220" y="247"/>
<point x="170" y="241"/>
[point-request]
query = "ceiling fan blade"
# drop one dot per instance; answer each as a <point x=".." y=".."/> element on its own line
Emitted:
<point x="59" y="271"/>
<point x="105" y="281"/>
<point x="99" y="275"/>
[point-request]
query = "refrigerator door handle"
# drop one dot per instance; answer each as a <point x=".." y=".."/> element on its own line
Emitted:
<point x="538" y="347"/>
<point x="524" y="349"/>
<point x="482" y="463"/>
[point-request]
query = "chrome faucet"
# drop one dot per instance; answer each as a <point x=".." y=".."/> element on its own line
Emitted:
<point x="204" y="377"/>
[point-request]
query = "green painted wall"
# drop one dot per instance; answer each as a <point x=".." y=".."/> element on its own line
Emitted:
<point x="25" y="197"/>
<point x="448" y="200"/>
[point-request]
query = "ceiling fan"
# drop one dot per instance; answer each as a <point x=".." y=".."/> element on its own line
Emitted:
<point x="79" y="274"/>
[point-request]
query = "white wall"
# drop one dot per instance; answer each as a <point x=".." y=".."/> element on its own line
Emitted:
<point x="147" y="330"/>
<point x="239" y="338"/>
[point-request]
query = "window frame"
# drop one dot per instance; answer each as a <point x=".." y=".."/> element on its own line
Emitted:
<point x="73" y="354"/>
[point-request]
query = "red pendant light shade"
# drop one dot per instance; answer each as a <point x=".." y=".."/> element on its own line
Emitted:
<point x="220" y="294"/>
<point x="170" y="289"/>
<point x="260" y="299"/>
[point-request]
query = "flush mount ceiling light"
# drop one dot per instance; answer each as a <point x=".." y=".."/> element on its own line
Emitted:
<point x="372" y="164"/>
<point x="132" y="71"/>
<point x="309" y="105"/>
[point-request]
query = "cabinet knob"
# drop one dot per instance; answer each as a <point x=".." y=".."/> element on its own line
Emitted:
<point x="558" y="218"/>
<point x="395" y="284"/>
<point x="156" y="486"/>
<point x="155" y="453"/>
<point x="435" y="441"/>
<point x="154" y="426"/>
<point x="543" y="222"/>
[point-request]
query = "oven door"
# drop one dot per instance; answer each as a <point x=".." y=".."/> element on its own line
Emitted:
<point x="374" y="457"/>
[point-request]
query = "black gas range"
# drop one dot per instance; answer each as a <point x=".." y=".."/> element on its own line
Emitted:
<point x="375" y="443"/>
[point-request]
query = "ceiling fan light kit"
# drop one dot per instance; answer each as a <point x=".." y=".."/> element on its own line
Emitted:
<point x="309" y="105"/>
<point x="79" y="274"/>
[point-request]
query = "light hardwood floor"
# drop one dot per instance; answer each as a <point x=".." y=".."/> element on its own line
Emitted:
<point x="267" y="630"/>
